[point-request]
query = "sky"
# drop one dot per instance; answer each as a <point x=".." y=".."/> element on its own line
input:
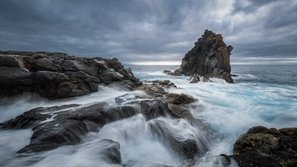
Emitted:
<point x="150" y="30"/>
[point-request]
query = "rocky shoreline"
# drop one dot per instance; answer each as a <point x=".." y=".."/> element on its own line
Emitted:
<point x="58" y="76"/>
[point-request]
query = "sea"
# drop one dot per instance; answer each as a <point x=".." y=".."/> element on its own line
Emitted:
<point x="262" y="95"/>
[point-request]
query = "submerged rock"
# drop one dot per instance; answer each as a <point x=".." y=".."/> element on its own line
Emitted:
<point x="210" y="57"/>
<point x="110" y="151"/>
<point x="261" y="146"/>
<point x="58" y="75"/>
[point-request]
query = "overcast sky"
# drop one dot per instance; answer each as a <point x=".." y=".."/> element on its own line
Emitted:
<point x="148" y="30"/>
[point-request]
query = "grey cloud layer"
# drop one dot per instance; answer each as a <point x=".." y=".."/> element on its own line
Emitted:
<point x="139" y="30"/>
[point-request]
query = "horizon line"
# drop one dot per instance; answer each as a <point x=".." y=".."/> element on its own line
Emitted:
<point x="176" y="63"/>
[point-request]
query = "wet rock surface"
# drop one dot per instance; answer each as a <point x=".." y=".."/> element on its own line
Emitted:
<point x="261" y="146"/>
<point x="58" y="75"/>
<point x="65" y="125"/>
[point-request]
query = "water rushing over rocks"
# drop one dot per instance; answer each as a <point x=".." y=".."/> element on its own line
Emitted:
<point x="138" y="121"/>
<point x="165" y="121"/>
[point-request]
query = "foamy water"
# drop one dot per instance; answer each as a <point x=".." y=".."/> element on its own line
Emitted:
<point x="228" y="110"/>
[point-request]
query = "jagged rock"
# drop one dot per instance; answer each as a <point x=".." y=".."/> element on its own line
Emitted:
<point x="210" y="57"/>
<point x="261" y="146"/>
<point x="57" y="75"/>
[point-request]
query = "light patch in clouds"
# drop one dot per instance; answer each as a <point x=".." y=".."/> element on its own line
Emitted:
<point x="264" y="61"/>
<point x="155" y="63"/>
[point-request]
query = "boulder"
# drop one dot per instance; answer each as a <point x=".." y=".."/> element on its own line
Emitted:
<point x="261" y="146"/>
<point x="58" y="75"/>
<point x="210" y="57"/>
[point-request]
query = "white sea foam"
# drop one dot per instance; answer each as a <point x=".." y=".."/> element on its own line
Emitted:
<point x="228" y="109"/>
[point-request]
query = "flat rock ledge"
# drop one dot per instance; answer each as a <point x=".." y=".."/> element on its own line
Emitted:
<point x="58" y="75"/>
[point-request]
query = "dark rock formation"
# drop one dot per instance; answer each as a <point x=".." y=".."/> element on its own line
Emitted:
<point x="57" y="75"/>
<point x="210" y="57"/>
<point x="265" y="147"/>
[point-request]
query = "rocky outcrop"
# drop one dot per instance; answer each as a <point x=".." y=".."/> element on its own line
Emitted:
<point x="210" y="57"/>
<point x="265" y="147"/>
<point x="57" y="75"/>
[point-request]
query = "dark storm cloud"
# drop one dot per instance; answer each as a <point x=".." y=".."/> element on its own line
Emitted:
<point x="141" y="30"/>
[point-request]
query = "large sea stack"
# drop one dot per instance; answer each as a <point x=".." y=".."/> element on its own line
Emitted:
<point x="210" y="57"/>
